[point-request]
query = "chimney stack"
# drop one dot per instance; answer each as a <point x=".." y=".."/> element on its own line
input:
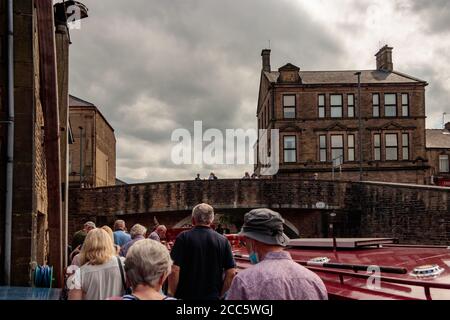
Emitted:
<point x="265" y="54"/>
<point x="384" y="59"/>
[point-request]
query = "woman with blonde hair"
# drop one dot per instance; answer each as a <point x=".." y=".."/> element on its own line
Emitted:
<point x="111" y="234"/>
<point x="100" y="276"/>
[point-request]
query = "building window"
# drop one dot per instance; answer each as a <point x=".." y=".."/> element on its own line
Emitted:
<point x="391" y="147"/>
<point x="351" y="147"/>
<point x="377" y="147"/>
<point x="405" y="146"/>
<point x="405" y="105"/>
<point x="322" y="106"/>
<point x="337" y="149"/>
<point x="336" y="105"/>
<point x="323" y="148"/>
<point x="289" y="106"/>
<point x="351" y="105"/>
<point x="290" y="149"/>
<point x="444" y="164"/>
<point x="376" y="105"/>
<point x="390" y="105"/>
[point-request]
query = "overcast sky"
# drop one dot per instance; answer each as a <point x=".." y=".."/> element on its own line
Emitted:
<point x="152" y="66"/>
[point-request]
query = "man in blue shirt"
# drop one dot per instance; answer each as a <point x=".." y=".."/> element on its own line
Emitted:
<point x="121" y="237"/>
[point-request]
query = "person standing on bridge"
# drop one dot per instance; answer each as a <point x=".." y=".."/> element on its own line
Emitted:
<point x="203" y="261"/>
<point x="274" y="276"/>
<point x="121" y="237"/>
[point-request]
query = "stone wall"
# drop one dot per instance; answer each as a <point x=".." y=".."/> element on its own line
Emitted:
<point x="29" y="238"/>
<point x="414" y="214"/>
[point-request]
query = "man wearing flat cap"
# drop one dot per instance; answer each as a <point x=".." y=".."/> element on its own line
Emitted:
<point x="274" y="276"/>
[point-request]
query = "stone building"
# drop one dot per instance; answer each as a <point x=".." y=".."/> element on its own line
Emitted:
<point x="34" y="134"/>
<point x="94" y="147"/>
<point x="317" y="115"/>
<point x="438" y="154"/>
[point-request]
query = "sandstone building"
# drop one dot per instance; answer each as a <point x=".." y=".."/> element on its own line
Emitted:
<point x="94" y="146"/>
<point x="318" y="117"/>
<point x="438" y="153"/>
<point x="34" y="138"/>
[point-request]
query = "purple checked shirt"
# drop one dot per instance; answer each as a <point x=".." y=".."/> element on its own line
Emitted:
<point x="277" y="277"/>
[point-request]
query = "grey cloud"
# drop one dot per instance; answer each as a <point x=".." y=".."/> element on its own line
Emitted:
<point x="436" y="13"/>
<point x="199" y="59"/>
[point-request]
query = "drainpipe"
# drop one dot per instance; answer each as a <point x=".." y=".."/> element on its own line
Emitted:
<point x="10" y="147"/>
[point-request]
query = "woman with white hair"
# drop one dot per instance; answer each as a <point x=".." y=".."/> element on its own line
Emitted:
<point x="147" y="266"/>
<point x="137" y="233"/>
<point x="100" y="276"/>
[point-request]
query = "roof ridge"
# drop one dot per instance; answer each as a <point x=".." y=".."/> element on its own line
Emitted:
<point x="408" y="76"/>
<point x="81" y="100"/>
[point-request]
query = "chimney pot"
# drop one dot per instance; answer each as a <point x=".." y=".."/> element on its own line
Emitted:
<point x="265" y="54"/>
<point x="384" y="59"/>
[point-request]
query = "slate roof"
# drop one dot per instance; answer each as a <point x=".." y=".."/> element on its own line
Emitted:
<point x="75" y="102"/>
<point x="346" y="77"/>
<point x="438" y="139"/>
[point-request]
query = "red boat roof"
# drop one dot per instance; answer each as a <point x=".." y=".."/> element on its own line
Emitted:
<point x="431" y="282"/>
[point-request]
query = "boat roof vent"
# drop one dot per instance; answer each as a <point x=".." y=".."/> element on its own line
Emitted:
<point x="429" y="271"/>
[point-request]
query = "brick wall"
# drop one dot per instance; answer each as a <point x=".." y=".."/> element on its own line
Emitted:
<point x="106" y="145"/>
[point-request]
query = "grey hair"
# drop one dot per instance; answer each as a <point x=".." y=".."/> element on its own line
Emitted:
<point x="203" y="214"/>
<point x="138" y="230"/>
<point x="119" y="224"/>
<point x="147" y="260"/>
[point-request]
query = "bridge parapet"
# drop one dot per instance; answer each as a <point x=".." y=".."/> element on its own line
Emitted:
<point x="222" y="194"/>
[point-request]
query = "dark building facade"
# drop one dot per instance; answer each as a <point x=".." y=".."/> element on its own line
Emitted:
<point x="438" y="153"/>
<point x="317" y="115"/>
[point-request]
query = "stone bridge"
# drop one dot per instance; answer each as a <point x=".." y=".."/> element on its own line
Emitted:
<point x="414" y="214"/>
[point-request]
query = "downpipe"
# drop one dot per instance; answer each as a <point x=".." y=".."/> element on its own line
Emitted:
<point x="10" y="147"/>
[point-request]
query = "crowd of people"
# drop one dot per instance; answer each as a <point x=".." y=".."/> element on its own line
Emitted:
<point x="117" y="265"/>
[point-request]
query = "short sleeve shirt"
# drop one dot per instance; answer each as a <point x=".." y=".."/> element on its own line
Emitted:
<point x="202" y="255"/>
<point x="98" y="282"/>
<point x="277" y="277"/>
<point x="121" y="238"/>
